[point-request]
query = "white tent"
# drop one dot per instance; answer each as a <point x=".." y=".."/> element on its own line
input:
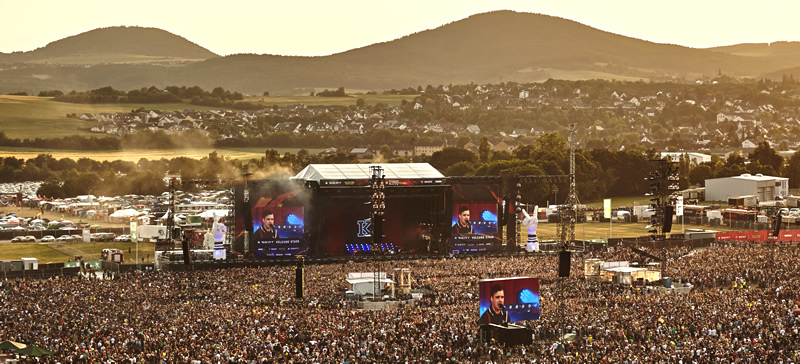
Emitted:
<point x="365" y="286"/>
<point x="125" y="213"/>
<point x="210" y="213"/>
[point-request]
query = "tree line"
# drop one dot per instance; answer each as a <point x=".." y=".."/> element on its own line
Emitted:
<point x="218" y="97"/>
<point x="600" y="173"/>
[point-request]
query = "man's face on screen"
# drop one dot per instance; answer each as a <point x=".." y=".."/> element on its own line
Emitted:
<point x="269" y="220"/>
<point x="498" y="299"/>
<point x="464" y="217"/>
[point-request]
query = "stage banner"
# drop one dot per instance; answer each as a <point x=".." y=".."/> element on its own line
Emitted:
<point x="741" y="236"/>
<point x="507" y="300"/>
<point x="724" y="236"/>
<point x="759" y="236"/>
<point x="607" y="208"/>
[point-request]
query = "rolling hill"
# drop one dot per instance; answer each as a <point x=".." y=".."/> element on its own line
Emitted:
<point x="114" y="45"/>
<point x="490" y="47"/>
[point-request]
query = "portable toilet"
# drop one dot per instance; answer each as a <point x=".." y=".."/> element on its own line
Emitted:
<point x="30" y="263"/>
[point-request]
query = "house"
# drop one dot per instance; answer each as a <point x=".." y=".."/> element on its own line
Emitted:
<point x="363" y="153"/>
<point x="403" y="151"/>
<point x="747" y="144"/>
<point x="505" y="146"/>
<point x="519" y="132"/>
<point x="474" y="129"/>
<point x="427" y="148"/>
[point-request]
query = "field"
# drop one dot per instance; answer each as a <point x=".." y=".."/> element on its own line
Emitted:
<point x="597" y="230"/>
<point x="61" y="252"/>
<point x="134" y="155"/>
<point x="41" y="117"/>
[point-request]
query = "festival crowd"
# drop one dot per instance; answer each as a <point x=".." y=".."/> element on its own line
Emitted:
<point x="742" y="308"/>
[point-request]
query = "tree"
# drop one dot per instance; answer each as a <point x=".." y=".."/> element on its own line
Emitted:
<point x="792" y="170"/>
<point x="449" y="156"/>
<point x="700" y="174"/>
<point x="484" y="149"/>
<point x="767" y="156"/>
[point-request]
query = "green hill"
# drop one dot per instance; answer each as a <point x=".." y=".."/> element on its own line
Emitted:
<point x="115" y="45"/>
<point x="490" y="47"/>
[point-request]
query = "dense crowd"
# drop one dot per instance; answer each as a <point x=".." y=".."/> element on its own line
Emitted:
<point x="740" y="310"/>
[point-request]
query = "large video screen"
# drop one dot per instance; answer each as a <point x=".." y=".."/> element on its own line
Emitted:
<point x="474" y="218"/>
<point x="277" y="225"/>
<point x="507" y="300"/>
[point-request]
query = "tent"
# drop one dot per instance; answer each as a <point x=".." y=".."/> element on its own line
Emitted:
<point x="33" y="350"/>
<point x="11" y="345"/>
<point x="124" y="213"/>
<point x="365" y="286"/>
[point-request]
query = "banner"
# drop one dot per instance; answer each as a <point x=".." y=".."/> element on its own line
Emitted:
<point x="607" y="208"/>
<point x="679" y="206"/>
<point x="134" y="236"/>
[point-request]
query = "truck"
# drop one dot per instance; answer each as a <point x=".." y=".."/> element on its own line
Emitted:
<point x="151" y="233"/>
<point x="743" y="201"/>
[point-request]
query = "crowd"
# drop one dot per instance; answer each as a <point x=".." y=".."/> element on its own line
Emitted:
<point x="740" y="310"/>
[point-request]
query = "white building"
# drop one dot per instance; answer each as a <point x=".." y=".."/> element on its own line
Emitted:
<point x="695" y="157"/>
<point x="766" y="188"/>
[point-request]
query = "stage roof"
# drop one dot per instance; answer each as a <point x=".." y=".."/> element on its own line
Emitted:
<point x="319" y="172"/>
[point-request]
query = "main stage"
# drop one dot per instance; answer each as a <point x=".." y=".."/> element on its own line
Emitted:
<point x="325" y="211"/>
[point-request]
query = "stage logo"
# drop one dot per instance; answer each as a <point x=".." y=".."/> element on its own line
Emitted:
<point x="364" y="228"/>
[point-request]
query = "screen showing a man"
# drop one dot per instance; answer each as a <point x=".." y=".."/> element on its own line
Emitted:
<point x="267" y="230"/>
<point x="462" y="226"/>
<point x="496" y="314"/>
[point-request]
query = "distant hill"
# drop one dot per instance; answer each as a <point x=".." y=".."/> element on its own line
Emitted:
<point x="115" y="45"/>
<point x="775" y="49"/>
<point x="490" y="47"/>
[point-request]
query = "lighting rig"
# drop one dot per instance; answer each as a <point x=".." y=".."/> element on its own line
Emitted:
<point x="378" y="200"/>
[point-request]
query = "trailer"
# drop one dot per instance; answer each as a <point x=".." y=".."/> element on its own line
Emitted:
<point x="743" y="201"/>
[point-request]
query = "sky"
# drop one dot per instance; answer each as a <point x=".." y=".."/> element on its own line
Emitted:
<point x="323" y="27"/>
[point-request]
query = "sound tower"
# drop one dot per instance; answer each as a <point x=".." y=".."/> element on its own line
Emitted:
<point x="564" y="259"/>
<point x="299" y="283"/>
<point x="187" y="257"/>
<point x="667" y="227"/>
<point x="778" y="222"/>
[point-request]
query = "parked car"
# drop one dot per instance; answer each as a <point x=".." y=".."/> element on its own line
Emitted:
<point x="66" y="238"/>
<point x="18" y="239"/>
<point x="29" y="238"/>
<point x="48" y="239"/>
<point x="123" y="237"/>
<point x="103" y="237"/>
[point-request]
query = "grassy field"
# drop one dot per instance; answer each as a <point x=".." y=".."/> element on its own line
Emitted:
<point x="134" y="155"/>
<point x="41" y="117"/>
<point x="597" y="230"/>
<point x="61" y="252"/>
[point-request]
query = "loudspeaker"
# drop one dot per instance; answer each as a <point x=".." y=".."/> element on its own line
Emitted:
<point x="778" y="222"/>
<point x="667" y="219"/>
<point x="187" y="256"/>
<point x="564" y="259"/>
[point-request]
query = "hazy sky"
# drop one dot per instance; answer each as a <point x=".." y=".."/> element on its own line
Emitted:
<point x="324" y="27"/>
